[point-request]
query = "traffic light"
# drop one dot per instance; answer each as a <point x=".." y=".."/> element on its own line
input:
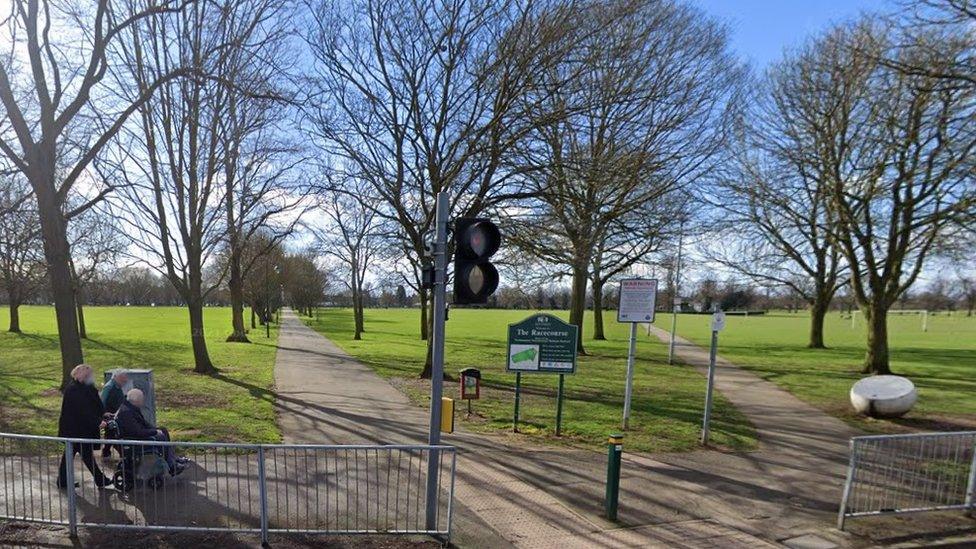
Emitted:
<point x="475" y="278"/>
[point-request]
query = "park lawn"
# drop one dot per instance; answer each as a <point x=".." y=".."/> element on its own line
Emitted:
<point x="236" y="405"/>
<point x="667" y="401"/>
<point x="941" y="362"/>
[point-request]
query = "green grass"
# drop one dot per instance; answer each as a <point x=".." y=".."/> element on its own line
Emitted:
<point x="667" y="403"/>
<point x="941" y="362"/>
<point x="234" y="405"/>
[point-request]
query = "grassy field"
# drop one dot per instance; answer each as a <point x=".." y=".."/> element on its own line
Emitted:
<point x="235" y="405"/>
<point x="941" y="362"/>
<point x="667" y="403"/>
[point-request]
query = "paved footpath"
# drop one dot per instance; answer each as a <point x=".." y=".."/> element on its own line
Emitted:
<point x="783" y="422"/>
<point x="545" y="497"/>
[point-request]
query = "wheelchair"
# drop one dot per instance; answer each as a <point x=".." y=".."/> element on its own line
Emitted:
<point x="140" y="464"/>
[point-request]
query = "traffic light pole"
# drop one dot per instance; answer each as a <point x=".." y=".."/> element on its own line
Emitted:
<point x="437" y="353"/>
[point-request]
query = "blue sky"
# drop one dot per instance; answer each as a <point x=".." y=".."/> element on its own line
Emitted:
<point x="761" y="29"/>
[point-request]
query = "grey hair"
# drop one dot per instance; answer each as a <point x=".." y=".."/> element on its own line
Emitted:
<point x="118" y="373"/>
<point x="134" y="394"/>
<point x="81" y="371"/>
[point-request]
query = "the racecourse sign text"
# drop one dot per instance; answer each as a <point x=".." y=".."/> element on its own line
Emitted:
<point x="542" y="343"/>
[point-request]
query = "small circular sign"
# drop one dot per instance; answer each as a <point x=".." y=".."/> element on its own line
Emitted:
<point x="718" y="321"/>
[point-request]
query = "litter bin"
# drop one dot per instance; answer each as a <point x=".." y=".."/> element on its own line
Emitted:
<point x="142" y="380"/>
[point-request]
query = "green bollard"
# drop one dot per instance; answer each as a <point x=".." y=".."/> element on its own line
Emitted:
<point x="615" y="449"/>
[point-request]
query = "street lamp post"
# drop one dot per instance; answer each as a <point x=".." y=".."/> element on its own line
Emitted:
<point x="675" y="299"/>
<point x="267" y="304"/>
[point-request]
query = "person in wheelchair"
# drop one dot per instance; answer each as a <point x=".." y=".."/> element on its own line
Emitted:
<point x="133" y="425"/>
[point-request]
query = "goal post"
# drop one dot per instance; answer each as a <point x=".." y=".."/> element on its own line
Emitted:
<point x="923" y="313"/>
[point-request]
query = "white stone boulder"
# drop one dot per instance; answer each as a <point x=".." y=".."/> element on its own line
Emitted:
<point x="883" y="396"/>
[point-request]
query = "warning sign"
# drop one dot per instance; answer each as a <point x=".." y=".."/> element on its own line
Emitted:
<point x="638" y="297"/>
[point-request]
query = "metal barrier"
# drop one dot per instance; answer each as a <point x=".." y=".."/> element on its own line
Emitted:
<point x="909" y="473"/>
<point x="262" y="489"/>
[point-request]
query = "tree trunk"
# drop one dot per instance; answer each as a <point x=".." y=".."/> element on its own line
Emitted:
<point x="14" y="316"/>
<point x="57" y="256"/>
<point x="577" y="304"/>
<point x="818" y="312"/>
<point x="360" y="322"/>
<point x="598" y="309"/>
<point x="424" y="298"/>
<point x="82" y="332"/>
<point x="201" y="358"/>
<point x="357" y="301"/>
<point x="253" y="320"/>
<point x="357" y="322"/>
<point x="876" y="359"/>
<point x="429" y="361"/>
<point x="236" y="286"/>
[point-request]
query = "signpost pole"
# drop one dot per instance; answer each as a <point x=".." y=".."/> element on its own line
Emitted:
<point x="676" y="301"/>
<point x="559" y="405"/>
<point x="437" y="354"/>
<point x="628" y="390"/>
<point x="518" y="394"/>
<point x="708" y="390"/>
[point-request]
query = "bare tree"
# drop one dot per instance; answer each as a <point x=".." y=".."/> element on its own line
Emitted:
<point x="96" y="243"/>
<point x="774" y="219"/>
<point x="898" y="152"/>
<point x="355" y="239"/>
<point x="265" y="259"/>
<point x="642" y="119"/>
<point x="174" y="162"/>
<point x="259" y="200"/>
<point x="259" y="159"/>
<point x="967" y="292"/>
<point x="416" y="98"/>
<point x="929" y="26"/>
<point x="53" y="89"/>
<point x="632" y="240"/>
<point x="21" y="261"/>
<point x="303" y="282"/>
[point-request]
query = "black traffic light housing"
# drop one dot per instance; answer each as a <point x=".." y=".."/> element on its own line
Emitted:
<point x="475" y="278"/>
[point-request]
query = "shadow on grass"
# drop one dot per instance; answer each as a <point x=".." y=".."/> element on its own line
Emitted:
<point x="37" y="341"/>
<point x="935" y="423"/>
<point x="686" y="411"/>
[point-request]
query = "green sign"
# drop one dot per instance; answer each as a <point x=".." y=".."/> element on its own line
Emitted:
<point x="542" y="343"/>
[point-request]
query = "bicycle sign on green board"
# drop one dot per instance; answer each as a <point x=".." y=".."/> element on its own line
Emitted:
<point x="541" y="344"/>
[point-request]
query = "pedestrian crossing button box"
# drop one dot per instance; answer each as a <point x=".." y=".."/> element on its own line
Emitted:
<point x="470" y="384"/>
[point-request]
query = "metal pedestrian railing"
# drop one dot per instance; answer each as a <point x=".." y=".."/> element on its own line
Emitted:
<point x="909" y="473"/>
<point x="256" y="488"/>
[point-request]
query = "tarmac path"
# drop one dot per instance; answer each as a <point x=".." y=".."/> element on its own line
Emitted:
<point x="535" y="497"/>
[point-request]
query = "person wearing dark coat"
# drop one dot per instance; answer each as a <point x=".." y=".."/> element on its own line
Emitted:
<point x="134" y="426"/>
<point x="81" y="417"/>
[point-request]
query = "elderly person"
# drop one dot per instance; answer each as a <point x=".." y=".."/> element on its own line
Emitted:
<point x="134" y="426"/>
<point x="113" y="397"/>
<point x="81" y="417"/>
